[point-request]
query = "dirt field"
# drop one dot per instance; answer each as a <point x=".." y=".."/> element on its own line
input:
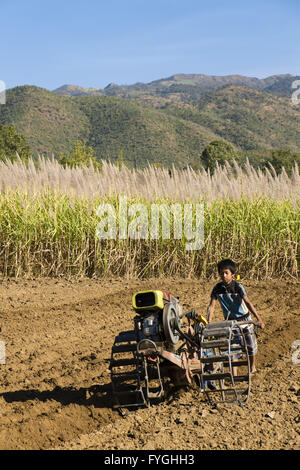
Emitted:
<point x="55" y="387"/>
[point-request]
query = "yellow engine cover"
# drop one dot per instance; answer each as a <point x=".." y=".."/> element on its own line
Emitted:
<point x="148" y="300"/>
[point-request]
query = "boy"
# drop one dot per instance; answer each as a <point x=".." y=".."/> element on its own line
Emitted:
<point x="235" y="305"/>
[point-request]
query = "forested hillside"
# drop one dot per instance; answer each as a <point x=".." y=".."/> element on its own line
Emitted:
<point x="150" y="126"/>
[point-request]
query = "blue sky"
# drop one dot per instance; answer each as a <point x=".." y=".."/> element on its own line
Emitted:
<point x="93" y="43"/>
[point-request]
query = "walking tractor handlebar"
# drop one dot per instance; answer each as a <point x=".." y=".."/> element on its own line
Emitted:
<point x="258" y="325"/>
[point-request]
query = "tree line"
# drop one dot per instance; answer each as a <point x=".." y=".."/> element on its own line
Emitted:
<point x="216" y="153"/>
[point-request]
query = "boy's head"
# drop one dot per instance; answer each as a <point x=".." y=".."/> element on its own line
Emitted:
<point x="226" y="269"/>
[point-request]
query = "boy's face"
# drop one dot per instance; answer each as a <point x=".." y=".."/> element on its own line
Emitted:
<point x="226" y="275"/>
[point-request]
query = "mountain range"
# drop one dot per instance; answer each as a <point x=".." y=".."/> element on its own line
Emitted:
<point x="167" y="121"/>
<point x="187" y="86"/>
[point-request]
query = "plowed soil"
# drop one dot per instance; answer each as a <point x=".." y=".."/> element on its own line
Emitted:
<point x="55" y="390"/>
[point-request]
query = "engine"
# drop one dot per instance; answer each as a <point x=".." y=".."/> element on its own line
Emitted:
<point x="151" y="327"/>
<point x="158" y="313"/>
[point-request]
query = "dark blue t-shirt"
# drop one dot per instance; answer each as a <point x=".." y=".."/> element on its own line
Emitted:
<point x="231" y="297"/>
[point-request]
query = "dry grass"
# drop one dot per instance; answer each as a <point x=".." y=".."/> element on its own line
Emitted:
<point x="151" y="183"/>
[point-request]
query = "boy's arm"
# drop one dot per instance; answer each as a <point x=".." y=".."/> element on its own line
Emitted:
<point x="253" y="310"/>
<point x="210" y="309"/>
